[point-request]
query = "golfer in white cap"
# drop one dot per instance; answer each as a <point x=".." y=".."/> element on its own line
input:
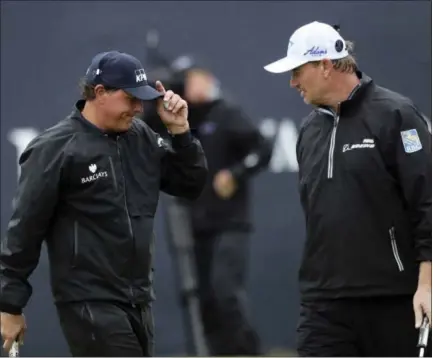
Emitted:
<point x="365" y="180"/>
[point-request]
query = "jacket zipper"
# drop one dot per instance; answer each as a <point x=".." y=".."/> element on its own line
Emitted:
<point x="75" y="243"/>
<point x="113" y="172"/>
<point x="336" y="117"/>
<point x="395" y="249"/>
<point x="127" y="213"/>
<point x="332" y="148"/>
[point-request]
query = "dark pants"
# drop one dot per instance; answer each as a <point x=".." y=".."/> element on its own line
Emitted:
<point x="107" y="329"/>
<point x="221" y="269"/>
<point x="379" y="327"/>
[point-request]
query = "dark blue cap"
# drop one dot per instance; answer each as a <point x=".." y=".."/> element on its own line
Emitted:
<point x="121" y="71"/>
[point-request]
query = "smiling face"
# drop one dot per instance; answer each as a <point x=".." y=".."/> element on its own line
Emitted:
<point x="117" y="107"/>
<point x="311" y="80"/>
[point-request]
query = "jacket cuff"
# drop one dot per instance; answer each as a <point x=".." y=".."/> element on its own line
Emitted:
<point x="424" y="255"/>
<point x="181" y="140"/>
<point x="11" y="309"/>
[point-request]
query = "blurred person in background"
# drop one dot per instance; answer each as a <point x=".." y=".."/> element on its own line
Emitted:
<point x="90" y="186"/>
<point x="365" y="184"/>
<point x="220" y="217"/>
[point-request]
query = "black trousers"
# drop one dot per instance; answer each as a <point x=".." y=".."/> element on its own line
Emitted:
<point x="106" y="329"/>
<point x="221" y="269"/>
<point x="368" y="327"/>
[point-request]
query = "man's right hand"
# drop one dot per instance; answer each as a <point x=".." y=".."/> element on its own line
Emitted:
<point x="12" y="329"/>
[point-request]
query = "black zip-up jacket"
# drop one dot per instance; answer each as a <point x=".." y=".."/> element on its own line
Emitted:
<point x="365" y="186"/>
<point x="92" y="196"/>
<point x="231" y="141"/>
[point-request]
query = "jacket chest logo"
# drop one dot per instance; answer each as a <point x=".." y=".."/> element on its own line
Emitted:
<point x="95" y="174"/>
<point x="366" y="144"/>
<point x="208" y="128"/>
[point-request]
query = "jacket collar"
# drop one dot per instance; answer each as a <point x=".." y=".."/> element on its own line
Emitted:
<point x="355" y="97"/>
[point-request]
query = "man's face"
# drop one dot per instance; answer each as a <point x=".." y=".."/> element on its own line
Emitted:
<point x="198" y="84"/>
<point x="310" y="81"/>
<point x="118" y="108"/>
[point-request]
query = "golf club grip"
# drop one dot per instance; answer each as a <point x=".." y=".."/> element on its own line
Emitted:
<point x="423" y="336"/>
<point x="15" y="350"/>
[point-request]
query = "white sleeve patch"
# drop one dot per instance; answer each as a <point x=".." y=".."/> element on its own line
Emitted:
<point x="411" y="141"/>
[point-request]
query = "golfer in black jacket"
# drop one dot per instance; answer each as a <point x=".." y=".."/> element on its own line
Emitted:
<point x="365" y="160"/>
<point x="89" y="186"/>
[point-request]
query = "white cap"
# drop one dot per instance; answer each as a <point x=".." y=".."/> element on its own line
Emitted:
<point x="312" y="42"/>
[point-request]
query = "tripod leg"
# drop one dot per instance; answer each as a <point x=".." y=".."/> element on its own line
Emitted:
<point x="181" y="248"/>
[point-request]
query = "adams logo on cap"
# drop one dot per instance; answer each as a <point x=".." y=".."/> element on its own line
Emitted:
<point x="316" y="51"/>
<point x="140" y="75"/>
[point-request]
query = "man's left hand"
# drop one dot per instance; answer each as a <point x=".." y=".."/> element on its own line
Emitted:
<point x="172" y="110"/>
<point x="422" y="305"/>
<point x="224" y="184"/>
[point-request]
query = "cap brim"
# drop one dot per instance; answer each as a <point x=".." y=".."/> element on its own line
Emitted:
<point x="145" y="93"/>
<point x="284" y="65"/>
